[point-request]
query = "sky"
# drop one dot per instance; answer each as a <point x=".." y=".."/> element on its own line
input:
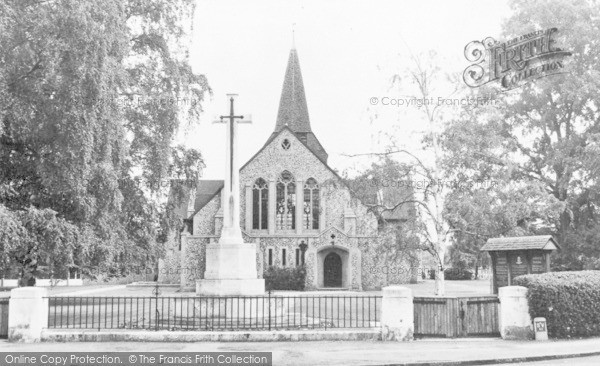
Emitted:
<point x="348" y="52"/>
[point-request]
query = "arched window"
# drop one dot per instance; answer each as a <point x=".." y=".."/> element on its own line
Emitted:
<point x="311" y="204"/>
<point x="286" y="202"/>
<point x="260" y="205"/>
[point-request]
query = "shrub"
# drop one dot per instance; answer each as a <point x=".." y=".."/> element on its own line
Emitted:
<point x="285" y="278"/>
<point x="457" y="274"/>
<point x="570" y="301"/>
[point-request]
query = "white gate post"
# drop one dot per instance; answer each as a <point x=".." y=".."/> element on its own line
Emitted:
<point x="515" y="321"/>
<point x="27" y="314"/>
<point x="397" y="314"/>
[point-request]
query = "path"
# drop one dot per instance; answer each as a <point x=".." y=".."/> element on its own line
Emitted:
<point x="348" y="353"/>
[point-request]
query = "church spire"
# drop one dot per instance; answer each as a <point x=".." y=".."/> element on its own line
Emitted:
<point x="293" y="111"/>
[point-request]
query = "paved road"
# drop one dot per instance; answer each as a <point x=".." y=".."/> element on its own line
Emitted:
<point x="580" y="361"/>
<point x="350" y="353"/>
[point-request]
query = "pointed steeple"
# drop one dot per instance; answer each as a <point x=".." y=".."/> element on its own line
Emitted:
<point x="293" y="111"/>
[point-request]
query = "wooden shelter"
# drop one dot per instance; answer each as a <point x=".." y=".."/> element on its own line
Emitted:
<point x="516" y="256"/>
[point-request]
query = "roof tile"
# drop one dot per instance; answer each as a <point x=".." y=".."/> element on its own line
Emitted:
<point x="518" y="243"/>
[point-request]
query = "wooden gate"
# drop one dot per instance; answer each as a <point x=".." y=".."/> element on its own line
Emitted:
<point x="4" y="317"/>
<point x="456" y="316"/>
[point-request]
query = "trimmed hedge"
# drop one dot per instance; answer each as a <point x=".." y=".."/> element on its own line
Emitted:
<point x="570" y="301"/>
<point x="292" y="279"/>
<point x="454" y="274"/>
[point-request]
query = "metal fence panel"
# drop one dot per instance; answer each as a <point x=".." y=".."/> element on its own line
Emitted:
<point x="214" y="313"/>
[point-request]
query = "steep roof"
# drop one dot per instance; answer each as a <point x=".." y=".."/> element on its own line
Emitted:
<point x="539" y="242"/>
<point x="206" y="190"/>
<point x="293" y="110"/>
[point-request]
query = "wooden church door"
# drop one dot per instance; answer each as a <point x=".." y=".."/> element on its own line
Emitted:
<point x="332" y="270"/>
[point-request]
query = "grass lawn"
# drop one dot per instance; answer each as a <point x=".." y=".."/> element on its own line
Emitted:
<point x="422" y="288"/>
<point x="453" y="288"/>
<point x="58" y="290"/>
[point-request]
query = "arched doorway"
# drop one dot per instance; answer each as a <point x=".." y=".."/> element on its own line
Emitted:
<point x="332" y="270"/>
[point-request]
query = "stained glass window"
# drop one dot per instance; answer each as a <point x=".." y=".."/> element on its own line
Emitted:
<point x="311" y="204"/>
<point x="285" y="216"/>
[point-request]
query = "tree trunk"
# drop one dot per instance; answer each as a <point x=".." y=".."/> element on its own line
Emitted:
<point x="440" y="289"/>
<point x="565" y="223"/>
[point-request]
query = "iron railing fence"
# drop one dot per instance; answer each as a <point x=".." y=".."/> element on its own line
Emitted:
<point x="214" y="313"/>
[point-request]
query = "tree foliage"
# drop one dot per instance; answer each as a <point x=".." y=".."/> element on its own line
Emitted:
<point x="92" y="94"/>
<point x="383" y="186"/>
<point x="546" y="133"/>
<point x="489" y="209"/>
<point x="386" y="188"/>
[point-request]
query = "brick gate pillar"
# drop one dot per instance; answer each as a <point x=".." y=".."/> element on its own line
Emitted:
<point x="27" y="314"/>
<point x="397" y="314"/>
<point x="515" y="321"/>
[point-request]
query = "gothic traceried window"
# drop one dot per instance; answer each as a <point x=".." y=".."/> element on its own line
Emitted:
<point x="311" y="204"/>
<point x="285" y="218"/>
<point x="260" y="205"/>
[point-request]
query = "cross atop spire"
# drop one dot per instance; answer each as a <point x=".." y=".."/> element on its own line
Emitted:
<point x="294" y="36"/>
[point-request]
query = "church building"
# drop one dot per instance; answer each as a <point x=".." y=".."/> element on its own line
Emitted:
<point x="295" y="208"/>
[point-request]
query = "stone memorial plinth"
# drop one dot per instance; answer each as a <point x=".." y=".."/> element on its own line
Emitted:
<point x="230" y="270"/>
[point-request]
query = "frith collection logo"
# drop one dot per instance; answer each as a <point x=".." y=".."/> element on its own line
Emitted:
<point x="512" y="63"/>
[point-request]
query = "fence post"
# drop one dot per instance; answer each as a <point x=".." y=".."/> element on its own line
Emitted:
<point x="397" y="314"/>
<point x="269" y="292"/>
<point x="27" y="314"/>
<point x="515" y="321"/>
<point x="156" y="292"/>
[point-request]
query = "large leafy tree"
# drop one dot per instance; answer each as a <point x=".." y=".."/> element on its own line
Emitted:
<point x="50" y="244"/>
<point x="386" y="189"/>
<point x="383" y="186"/>
<point x="12" y="236"/>
<point x="92" y="94"/>
<point x="424" y="81"/>
<point x="545" y="133"/>
<point x="487" y="209"/>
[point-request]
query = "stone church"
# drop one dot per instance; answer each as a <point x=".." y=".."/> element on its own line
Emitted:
<point x="296" y="209"/>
